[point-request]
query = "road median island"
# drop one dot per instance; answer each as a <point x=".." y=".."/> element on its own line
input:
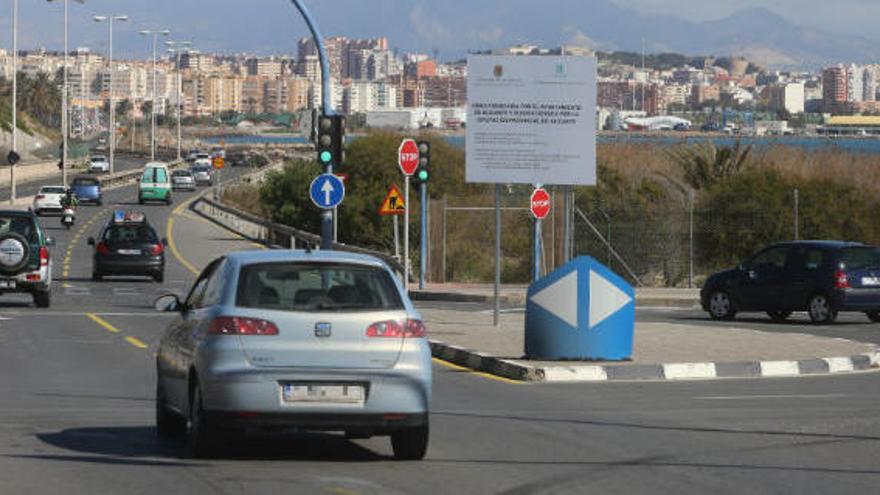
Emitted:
<point x="662" y="351"/>
<point x="515" y="295"/>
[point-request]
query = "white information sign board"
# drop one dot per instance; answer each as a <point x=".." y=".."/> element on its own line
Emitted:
<point x="531" y="120"/>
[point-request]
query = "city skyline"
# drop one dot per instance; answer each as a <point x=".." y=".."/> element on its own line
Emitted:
<point x="411" y="26"/>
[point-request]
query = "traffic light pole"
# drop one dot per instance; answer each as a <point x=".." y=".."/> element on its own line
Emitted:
<point x="423" y="257"/>
<point x="406" y="232"/>
<point x="327" y="109"/>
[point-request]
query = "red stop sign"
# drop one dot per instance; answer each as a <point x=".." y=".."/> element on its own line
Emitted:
<point x="540" y="204"/>
<point x="408" y="156"/>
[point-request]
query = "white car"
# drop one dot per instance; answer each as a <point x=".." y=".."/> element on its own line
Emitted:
<point x="99" y="164"/>
<point x="48" y="199"/>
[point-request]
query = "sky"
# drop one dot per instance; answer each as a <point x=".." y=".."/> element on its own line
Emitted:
<point x="273" y="26"/>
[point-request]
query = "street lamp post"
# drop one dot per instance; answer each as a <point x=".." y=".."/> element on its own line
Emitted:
<point x="64" y="116"/>
<point x="155" y="33"/>
<point x="112" y="131"/>
<point x="176" y="51"/>
<point x="14" y="98"/>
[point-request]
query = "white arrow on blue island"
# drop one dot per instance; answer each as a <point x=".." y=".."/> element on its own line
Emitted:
<point x="327" y="191"/>
<point x="583" y="310"/>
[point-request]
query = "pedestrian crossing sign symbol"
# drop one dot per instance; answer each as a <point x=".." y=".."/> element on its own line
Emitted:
<point x="393" y="203"/>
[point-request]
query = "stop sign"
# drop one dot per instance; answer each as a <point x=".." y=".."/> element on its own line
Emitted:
<point x="408" y="156"/>
<point x="540" y="204"/>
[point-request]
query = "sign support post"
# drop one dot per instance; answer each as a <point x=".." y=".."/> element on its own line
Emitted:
<point x="496" y="313"/>
<point x="396" y="238"/>
<point x="406" y="233"/>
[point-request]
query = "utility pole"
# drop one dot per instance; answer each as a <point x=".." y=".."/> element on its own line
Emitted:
<point x="14" y="100"/>
<point x="112" y="130"/>
<point x="155" y="33"/>
<point x="176" y="51"/>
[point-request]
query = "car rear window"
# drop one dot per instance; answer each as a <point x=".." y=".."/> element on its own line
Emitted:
<point x="85" y="182"/>
<point x="52" y="190"/>
<point x="317" y="287"/>
<point x="20" y="225"/>
<point x="98" y="159"/>
<point x="180" y="173"/>
<point x="130" y="233"/>
<point x="859" y="258"/>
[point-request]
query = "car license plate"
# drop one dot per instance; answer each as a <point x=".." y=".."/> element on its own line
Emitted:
<point x="131" y="252"/>
<point x="871" y="281"/>
<point x="323" y="392"/>
<point x="7" y="284"/>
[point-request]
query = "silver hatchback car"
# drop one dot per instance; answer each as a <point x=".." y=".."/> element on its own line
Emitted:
<point x="295" y="341"/>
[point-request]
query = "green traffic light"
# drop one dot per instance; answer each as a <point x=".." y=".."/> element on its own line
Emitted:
<point x="423" y="175"/>
<point x="326" y="156"/>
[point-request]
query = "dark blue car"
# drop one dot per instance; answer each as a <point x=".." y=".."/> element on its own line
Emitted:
<point x="87" y="190"/>
<point x="819" y="277"/>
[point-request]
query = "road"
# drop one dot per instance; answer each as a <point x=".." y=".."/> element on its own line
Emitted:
<point x="77" y="383"/>
<point x="25" y="187"/>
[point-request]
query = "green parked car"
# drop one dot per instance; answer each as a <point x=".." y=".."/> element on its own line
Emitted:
<point x="25" y="264"/>
<point x="155" y="184"/>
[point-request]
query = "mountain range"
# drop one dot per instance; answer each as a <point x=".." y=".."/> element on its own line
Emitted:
<point x="452" y="28"/>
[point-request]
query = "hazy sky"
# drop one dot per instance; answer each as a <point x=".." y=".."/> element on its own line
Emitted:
<point x="272" y="26"/>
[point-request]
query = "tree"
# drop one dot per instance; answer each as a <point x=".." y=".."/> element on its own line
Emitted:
<point x="124" y="107"/>
<point x="705" y="164"/>
<point x="147" y="107"/>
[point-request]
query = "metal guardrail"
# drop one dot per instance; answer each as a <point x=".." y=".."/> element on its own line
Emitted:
<point x="274" y="235"/>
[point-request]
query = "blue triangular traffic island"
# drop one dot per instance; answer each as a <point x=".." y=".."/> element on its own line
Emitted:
<point x="582" y="311"/>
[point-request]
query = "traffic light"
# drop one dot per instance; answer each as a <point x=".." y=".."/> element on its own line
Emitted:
<point x="331" y="140"/>
<point x="423" y="173"/>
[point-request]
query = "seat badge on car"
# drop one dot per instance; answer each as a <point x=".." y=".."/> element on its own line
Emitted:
<point x="323" y="329"/>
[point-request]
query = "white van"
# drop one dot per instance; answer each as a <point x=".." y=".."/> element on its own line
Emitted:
<point x="155" y="183"/>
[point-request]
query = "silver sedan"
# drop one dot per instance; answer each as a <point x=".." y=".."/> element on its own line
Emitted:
<point x="295" y="341"/>
<point x="183" y="180"/>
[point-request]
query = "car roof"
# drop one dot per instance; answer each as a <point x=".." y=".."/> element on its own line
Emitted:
<point x="822" y="244"/>
<point x="290" y="255"/>
<point x="156" y="164"/>
<point x="56" y="186"/>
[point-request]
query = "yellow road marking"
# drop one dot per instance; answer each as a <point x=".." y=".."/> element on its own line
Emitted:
<point x="135" y="342"/>
<point x="100" y="321"/>
<point x="477" y="373"/>
<point x="344" y="491"/>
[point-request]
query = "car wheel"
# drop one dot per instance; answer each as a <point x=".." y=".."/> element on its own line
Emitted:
<point x="821" y="309"/>
<point x="98" y="202"/>
<point x="168" y="199"/>
<point x="96" y="277"/>
<point x="140" y="200"/>
<point x="42" y="299"/>
<point x="159" y="277"/>
<point x="202" y="441"/>
<point x="168" y="424"/>
<point x="410" y="444"/>
<point x="873" y="316"/>
<point x="778" y="316"/>
<point x="720" y="306"/>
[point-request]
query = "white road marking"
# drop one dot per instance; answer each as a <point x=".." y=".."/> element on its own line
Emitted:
<point x="779" y="368"/>
<point x="688" y="371"/>
<point x="839" y="364"/>
<point x="772" y="397"/>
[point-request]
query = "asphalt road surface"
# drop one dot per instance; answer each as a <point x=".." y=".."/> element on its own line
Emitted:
<point x="76" y="417"/>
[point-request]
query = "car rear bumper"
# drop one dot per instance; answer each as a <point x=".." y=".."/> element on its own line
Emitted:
<point x="29" y="282"/>
<point x="154" y="194"/>
<point x="185" y="186"/>
<point x="857" y="299"/>
<point x="131" y="265"/>
<point x="364" y="423"/>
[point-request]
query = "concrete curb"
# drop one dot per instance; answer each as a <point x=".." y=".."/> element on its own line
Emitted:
<point x="514" y="370"/>
<point x="520" y="299"/>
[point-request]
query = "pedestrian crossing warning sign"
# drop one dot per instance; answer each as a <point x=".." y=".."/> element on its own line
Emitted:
<point x="393" y="204"/>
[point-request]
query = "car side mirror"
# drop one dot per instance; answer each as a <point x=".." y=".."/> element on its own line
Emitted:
<point x="90" y="241"/>
<point x="50" y="241"/>
<point x="168" y="303"/>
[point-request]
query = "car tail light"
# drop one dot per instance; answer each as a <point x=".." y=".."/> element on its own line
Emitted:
<point x="44" y="256"/>
<point x="102" y="248"/>
<point x="840" y="280"/>
<point x="33" y="277"/>
<point x="236" y="325"/>
<point x="157" y="249"/>
<point x="399" y="329"/>
<point x="40" y="196"/>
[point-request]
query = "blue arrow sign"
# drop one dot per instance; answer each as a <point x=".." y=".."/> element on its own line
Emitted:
<point x="581" y="311"/>
<point x="327" y="191"/>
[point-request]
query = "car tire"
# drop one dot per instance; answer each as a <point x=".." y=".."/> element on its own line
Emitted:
<point x="98" y="202"/>
<point x="42" y="299"/>
<point x="821" y="309"/>
<point x="873" y="316"/>
<point x="779" y="316"/>
<point x="12" y="240"/>
<point x="168" y="424"/>
<point x="410" y="444"/>
<point x="97" y="277"/>
<point x="200" y="437"/>
<point x="720" y="306"/>
<point x="140" y="200"/>
<point x="168" y="199"/>
<point x="159" y="277"/>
